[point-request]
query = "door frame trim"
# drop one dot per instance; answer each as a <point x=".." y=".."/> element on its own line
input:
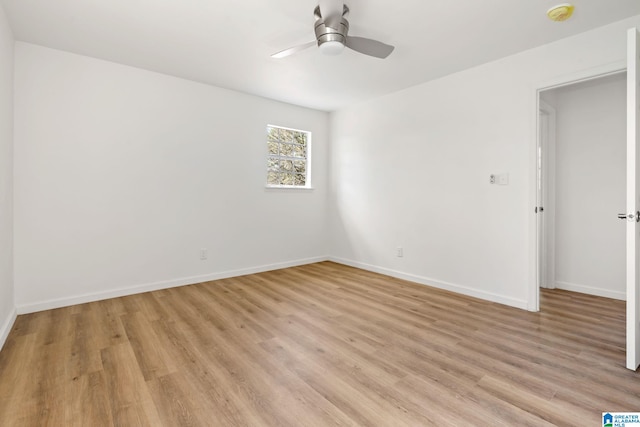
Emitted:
<point x="548" y="159"/>
<point x="533" y="294"/>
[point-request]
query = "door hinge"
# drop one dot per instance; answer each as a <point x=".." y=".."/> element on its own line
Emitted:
<point x="539" y="209"/>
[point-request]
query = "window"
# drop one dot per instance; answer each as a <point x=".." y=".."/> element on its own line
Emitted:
<point x="288" y="157"/>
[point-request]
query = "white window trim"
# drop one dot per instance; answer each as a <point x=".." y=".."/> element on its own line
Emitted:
<point x="307" y="159"/>
<point x="288" y="188"/>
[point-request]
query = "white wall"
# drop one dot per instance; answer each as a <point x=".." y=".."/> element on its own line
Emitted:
<point x="590" y="186"/>
<point x="412" y="169"/>
<point x="122" y="175"/>
<point x="7" y="308"/>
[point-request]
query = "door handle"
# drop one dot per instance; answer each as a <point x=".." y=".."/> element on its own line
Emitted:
<point x="630" y="217"/>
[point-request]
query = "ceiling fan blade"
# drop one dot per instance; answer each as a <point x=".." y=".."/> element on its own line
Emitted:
<point x="369" y="47"/>
<point x="292" y="50"/>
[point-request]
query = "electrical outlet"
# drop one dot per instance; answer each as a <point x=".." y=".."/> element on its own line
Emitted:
<point x="399" y="252"/>
<point x="203" y="253"/>
<point x="492" y="179"/>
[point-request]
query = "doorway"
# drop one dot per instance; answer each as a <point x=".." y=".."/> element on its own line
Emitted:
<point x="581" y="161"/>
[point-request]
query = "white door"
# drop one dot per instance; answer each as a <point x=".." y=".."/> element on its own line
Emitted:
<point x="540" y="194"/>
<point x="546" y="195"/>
<point x="633" y="200"/>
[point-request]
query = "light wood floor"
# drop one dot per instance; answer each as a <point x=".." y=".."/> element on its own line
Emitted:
<point x="317" y="345"/>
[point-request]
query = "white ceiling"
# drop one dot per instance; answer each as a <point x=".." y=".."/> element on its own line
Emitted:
<point x="228" y="43"/>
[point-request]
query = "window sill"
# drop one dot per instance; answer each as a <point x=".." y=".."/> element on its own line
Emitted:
<point x="270" y="188"/>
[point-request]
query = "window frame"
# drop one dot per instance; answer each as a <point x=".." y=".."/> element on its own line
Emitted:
<point x="280" y="157"/>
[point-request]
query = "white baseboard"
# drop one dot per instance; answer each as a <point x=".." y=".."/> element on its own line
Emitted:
<point x="488" y="296"/>
<point x="120" y="292"/>
<point x="6" y="327"/>
<point x="137" y="289"/>
<point x="591" y="290"/>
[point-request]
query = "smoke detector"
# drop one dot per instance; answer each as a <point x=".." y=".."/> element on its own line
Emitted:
<point x="560" y="12"/>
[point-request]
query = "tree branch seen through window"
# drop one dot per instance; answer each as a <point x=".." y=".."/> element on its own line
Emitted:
<point x="287" y="157"/>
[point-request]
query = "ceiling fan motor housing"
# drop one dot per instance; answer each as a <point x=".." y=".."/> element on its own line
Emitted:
<point x="326" y="33"/>
<point x="332" y="37"/>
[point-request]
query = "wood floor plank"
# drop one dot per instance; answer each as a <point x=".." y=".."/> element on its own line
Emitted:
<point x="546" y="409"/>
<point x="176" y="403"/>
<point x="317" y="345"/>
<point x="17" y="358"/>
<point x="209" y="381"/>
<point x="153" y="360"/>
<point x="129" y="395"/>
<point x="342" y="387"/>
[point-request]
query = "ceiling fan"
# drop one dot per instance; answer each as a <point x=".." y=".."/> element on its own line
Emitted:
<point x="332" y="28"/>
